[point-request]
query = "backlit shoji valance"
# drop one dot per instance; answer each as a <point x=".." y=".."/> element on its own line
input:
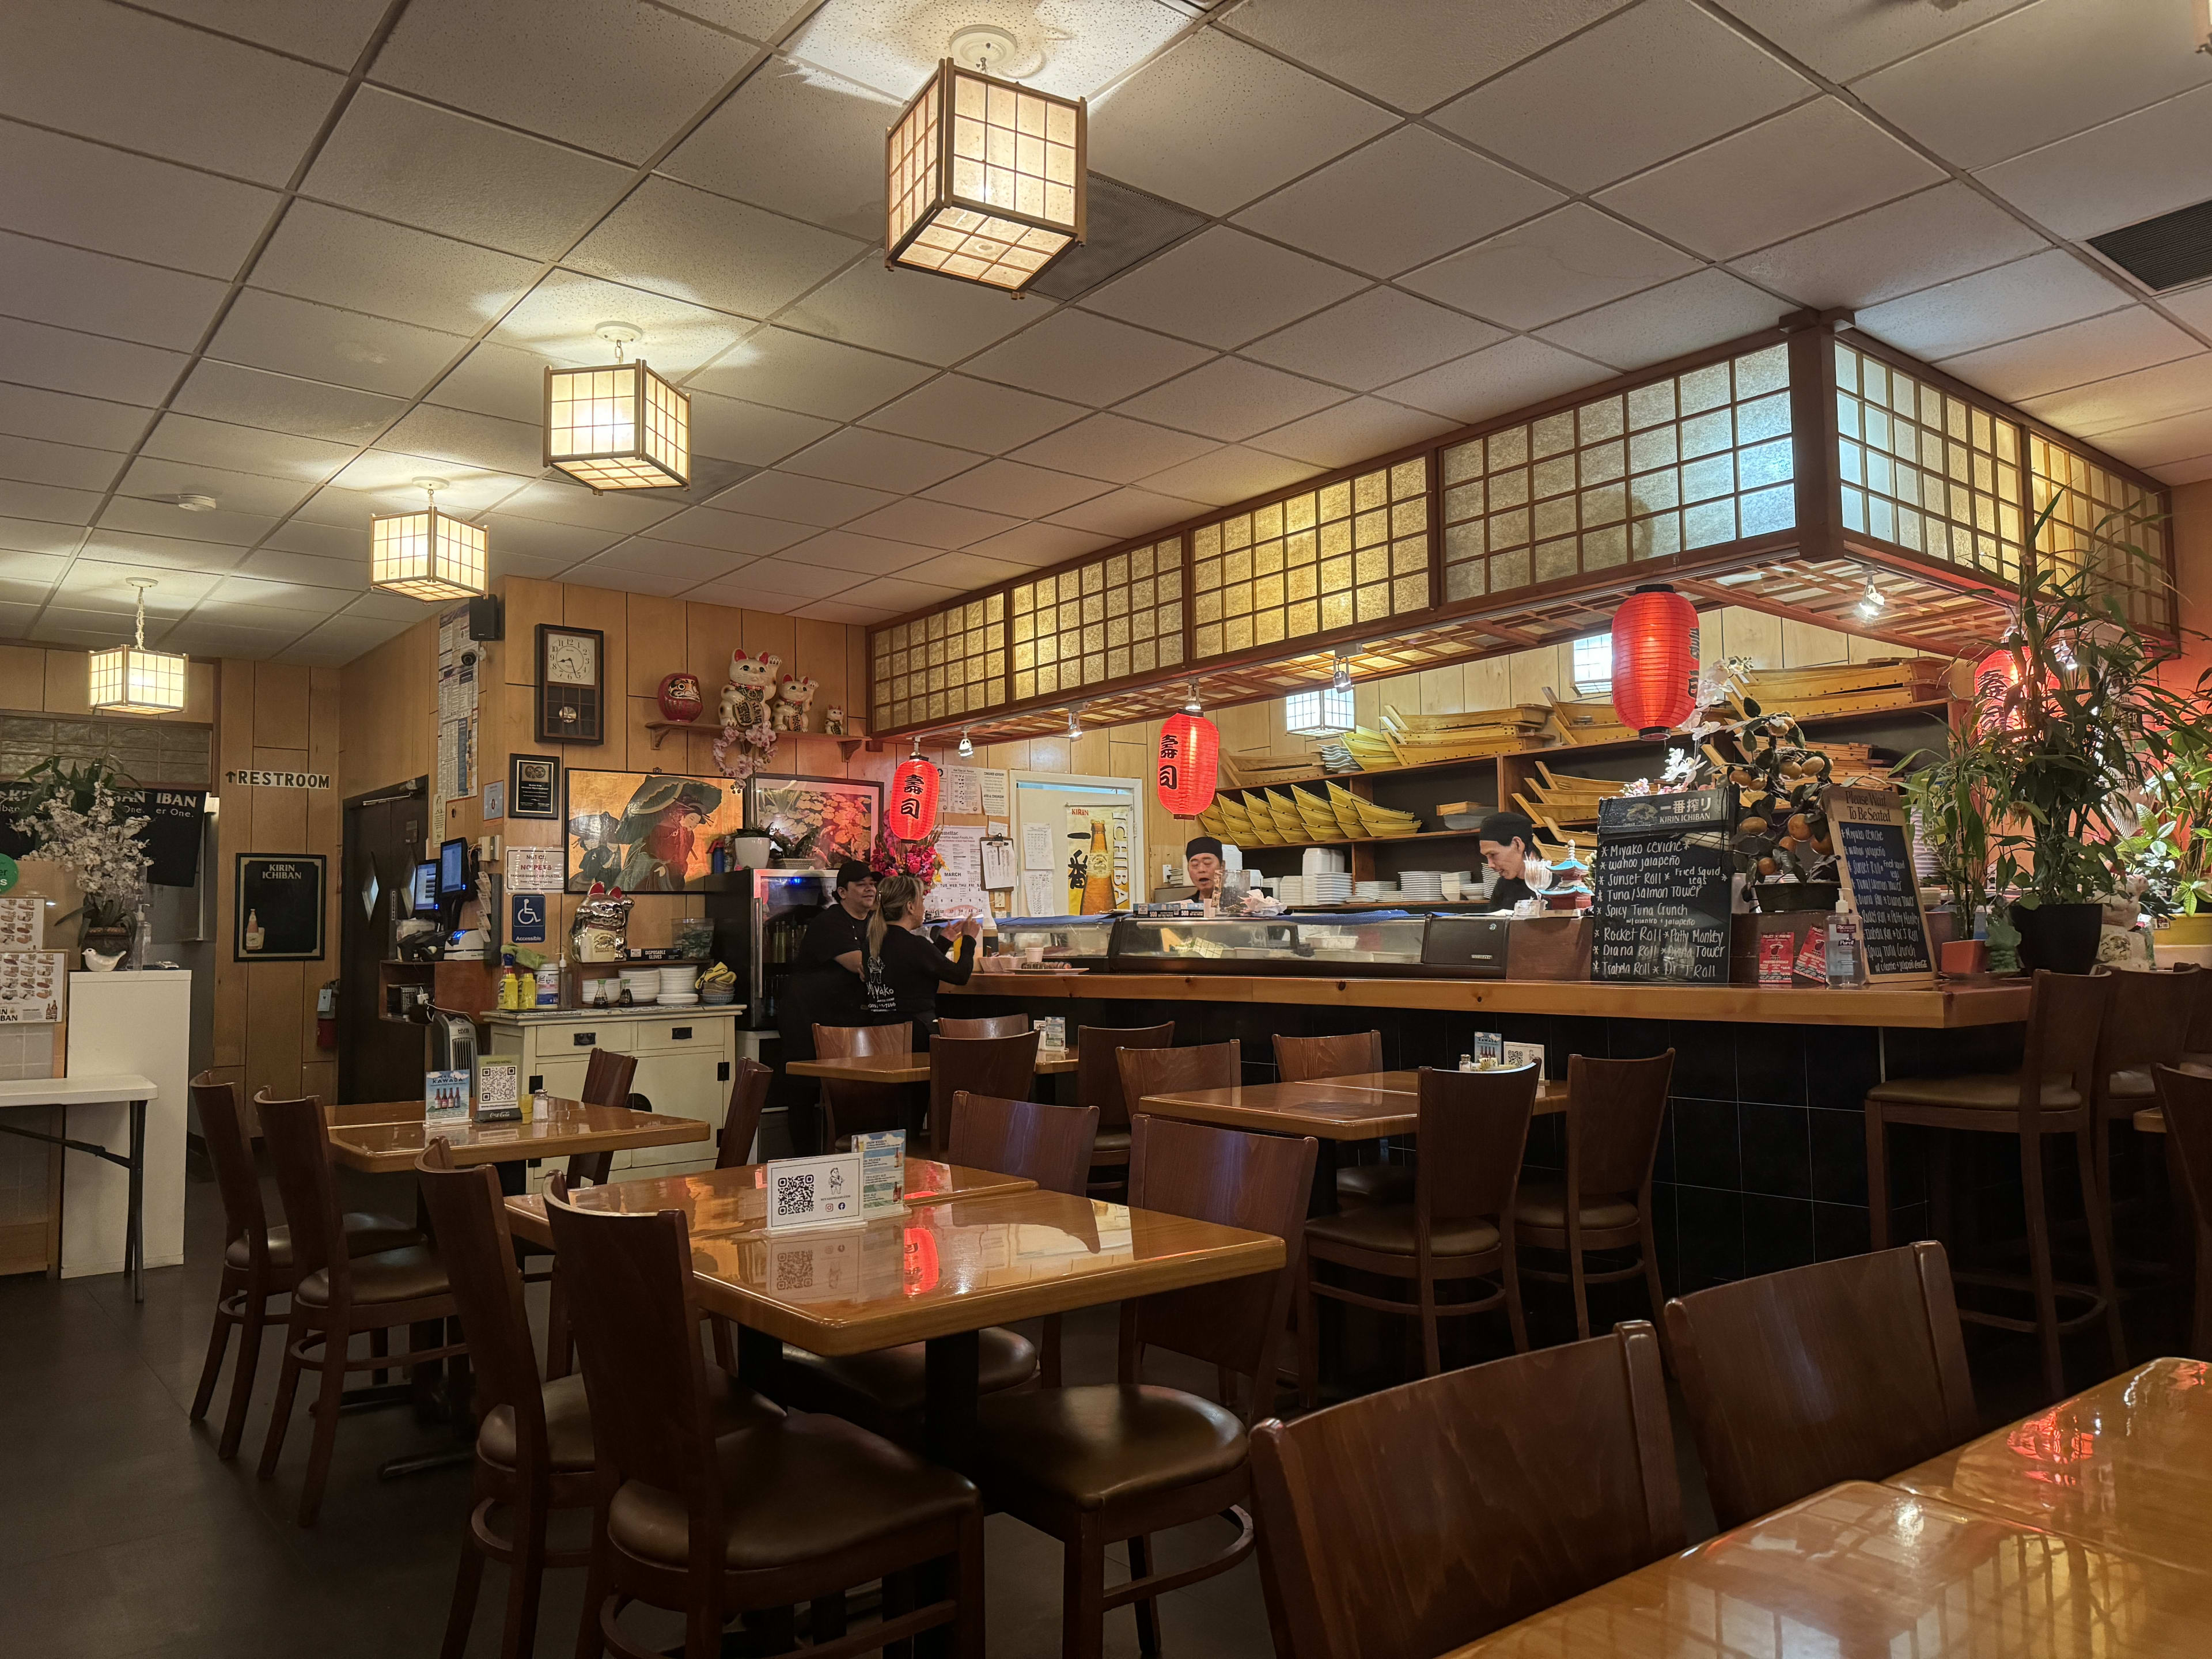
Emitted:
<point x="1103" y="621"/>
<point x="950" y="663"/>
<point x="2101" y="515"/>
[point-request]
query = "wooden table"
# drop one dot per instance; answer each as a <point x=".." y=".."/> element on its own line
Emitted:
<point x="735" y="1199"/>
<point x="1862" y="1571"/>
<point x="908" y="1067"/>
<point x="389" y="1136"/>
<point x="1363" y="1107"/>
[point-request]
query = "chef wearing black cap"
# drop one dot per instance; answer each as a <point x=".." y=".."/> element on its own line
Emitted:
<point x="817" y="991"/>
<point x="1202" y="864"/>
<point x="1507" y="842"/>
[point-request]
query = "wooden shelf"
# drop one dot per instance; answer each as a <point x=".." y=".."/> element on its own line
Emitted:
<point x="846" y="746"/>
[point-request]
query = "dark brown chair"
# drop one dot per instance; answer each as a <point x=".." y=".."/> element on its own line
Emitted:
<point x="1156" y="1069"/>
<point x="336" y="1294"/>
<point x="2185" y="1099"/>
<point x="2050" y="1095"/>
<point x="1049" y="1144"/>
<point x="1845" y="1370"/>
<point x="1308" y="1059"/>
<point x="2146" y="1027"/>
<point x="796" y="1508"/>
<point x="1004" y="1067"/>
<point x="607" y="1077"/>
<point x="1409" y="1523"/>
<point x="733" y="1144"/>
<point x="1473" y="1129"/>
<point x="1616" y="1109"/>
<point x="1124" y="1459"/>
<point x="990" y="1025"/>
<point x="850" y="1107"/>
<point x="257" y="1262"/>
<point x="1098" y="1083"/>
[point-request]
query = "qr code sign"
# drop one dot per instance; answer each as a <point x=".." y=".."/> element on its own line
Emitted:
<point x="794" y="1269"/>
<point x="794" y="1195"/>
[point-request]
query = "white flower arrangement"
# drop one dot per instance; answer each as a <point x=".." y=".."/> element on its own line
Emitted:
<point x="99" y="847"/>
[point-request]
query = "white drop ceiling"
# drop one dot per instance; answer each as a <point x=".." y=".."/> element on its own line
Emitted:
<point x="293" y="257"/>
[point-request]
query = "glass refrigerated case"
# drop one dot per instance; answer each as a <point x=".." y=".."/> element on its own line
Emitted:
<point x="758" y="925"/>
<point x="1288" y="944"/>
<point x="1083" y="941"/>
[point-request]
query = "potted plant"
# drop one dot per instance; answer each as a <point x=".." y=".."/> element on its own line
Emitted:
<point x="2170" y="853"/>
<point x="1949" y="798"/>
<point x="75" y="820"/>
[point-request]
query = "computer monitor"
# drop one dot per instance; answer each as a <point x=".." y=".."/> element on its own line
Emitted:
<point x="453" y="869"/>
<point x="423" y="888"/>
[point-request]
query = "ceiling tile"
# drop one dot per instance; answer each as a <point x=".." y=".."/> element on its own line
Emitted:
<point x="540" y="539"/>
<point x="48" y="282"/>
<point x="1845" y="42"/>
<point x="1380" y="335"/>
<point x="1924" y="239"/>
<point x="735" y="591"/>
<point x="2074" y="355"/>
<point x="881" y="460"/>
<point x="1230" y="474"/>
<point x="779" y="576"/>
<point x="1214" y="123"/>
<point x="2195" y="469"/>
<point x="1122" y="227"/>
<point x="1551" y="267"/>
<point x="283" y="402"/>
<point x="178" y="437"/>
<point x="167" y="554"/>
<point x="1230" y="399"/>
<point x="47" y="501"/>
<point x="894" y="49"/>
<point x="965" y="572"/>
<point x="752" y="432"/>
<point x="1130" y="512"/>
<point x="63" y="360"/>
<point x="1092" y="358"/>
<point x="1498" y="378"/>
<point x="2162" y="443"/>
<point x="619" y="79"/>
<point x="779" y="494"/>
<point x="2193" y="305"/>
<point x="2134" y="399"/>
<point x="864" y="556"/>
<point x="484" y="443"/>
<point x="693" y="244"/>
<point x="313" y="539"/>
<point x="559" y="319"/>
<point x="1660" y="322"/>
<point x="796" y="140"/>
<point x="345" y="348"/>
<point x="1406" y="198"/>
<point x="69" y="190"/>
<point x="505" y="380"/>
<point x="441" y="170"/>
<point x="2036" y="74"/>
<point x="2137" y="168"/>
<point x="1114" y="447"/>
<point x="103" y="587"/>
<point x="32" y="412"/>
<point x="687" y="565"/>
<point x="126" y="514"/>
<point x="1351" y="432"/>
<point x="734" y="533"/>
<point x="1666" y="76"/>
<point x="1012" y="487"/>
<point x="384" y="481"/>
<point x="932" y="524"/>
<point x="1411" y="53"/>
<point x="1819" y="161"/>
<point x="275" y="565"/>
<point x="979" y="416"/>
<point x="597" y="573"/>
<point x="249" y="595"/>
<point x="36" y="551"/>
<point x="151" y="479"/>
<point x="914" y="313"/>
<point x="1033" y="546"/>
<point x="230" y="638"/>
<point x="785" y="370"/>
<point x="2024" y="297"/>
<point x="563" y="503"/>
<point x="837" y="611"/>
<point x="1222" y="288"/>
<point x="389" y="270"/>
<point x="33" y="460"/>
<point x="332" y="32"/>
<point x="896" y="593"/>
<point x="145" y="83"/>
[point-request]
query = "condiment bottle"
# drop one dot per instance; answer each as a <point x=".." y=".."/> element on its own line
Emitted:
<point x="1844" y="969"/>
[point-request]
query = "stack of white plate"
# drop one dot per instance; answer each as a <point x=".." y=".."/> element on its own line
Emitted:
<point x="1327" y="887"/>
<point x="1324" y="861"/>
<point x="1289" y="890"/>
<point x="1377" y="890"/>
<point x="679" y="986"/>
<point x="643" y="984"/>
<point x="1423" y="884"/>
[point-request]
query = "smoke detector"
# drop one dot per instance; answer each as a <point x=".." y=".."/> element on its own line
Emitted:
<point x="992" y="50"/>
<point x="194" y="503"/>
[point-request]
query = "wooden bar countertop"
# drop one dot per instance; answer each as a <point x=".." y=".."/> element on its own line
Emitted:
<point x="1941" y="1009"/>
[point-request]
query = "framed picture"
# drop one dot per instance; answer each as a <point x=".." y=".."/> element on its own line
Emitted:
<point x="647" y="832"/>
<point x="279" y="915"/>
<point x="572" y="665"/>
<point x="533" y="787"/>
<point x="821" y="821"/>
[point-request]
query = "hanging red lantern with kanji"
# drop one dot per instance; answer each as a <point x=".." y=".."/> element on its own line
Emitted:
<point x="1654" y="660"/>
<point x="2001" y="695"/>
<point x="1190" y="763"/>
<point x="913" y="799"/>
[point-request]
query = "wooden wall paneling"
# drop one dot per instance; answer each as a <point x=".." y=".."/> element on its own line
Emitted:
<point x="1804" y="645"/>
<point x="272" y="1040"/>
<point x="325" y="834"/>
<point x="822" y="654"/>
<point x="713" y="634"/>
<point x="390" y="694"/>
<point x="1531" y="671"/>
<point x="529" y="602"/>
<point x="657" y="647"/>
<point x="1489" y="683"/>
<point x="1049" y="754"/>
<point x="608" y="611"/>
<point x="1751" y="634"/>
<point x="1367" y="704"/>
<point x="22" y="678"/>
<point x="68" y="683"/>
<point x="233" y="748"/>
<point x="1088" y="755"/>
<point x="857" y="679"/>
<point x="199" y="695"/>
<point x="280" y="815"/>
<point x="280" y="705"/>
<point x="1443" y="691"/>
<point x="319" y="1077"/>
<point x="777" y="636"/>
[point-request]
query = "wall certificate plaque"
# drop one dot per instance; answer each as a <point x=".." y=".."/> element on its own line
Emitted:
<point x="1874" y="853"/>
<point x="533" y="787"/>
<point x="279" y="914"/>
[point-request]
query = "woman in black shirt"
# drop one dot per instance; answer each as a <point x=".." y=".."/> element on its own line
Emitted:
<point x="900" y="969"/>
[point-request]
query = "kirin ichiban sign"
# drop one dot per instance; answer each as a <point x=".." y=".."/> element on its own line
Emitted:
<point x="251" y="779"/>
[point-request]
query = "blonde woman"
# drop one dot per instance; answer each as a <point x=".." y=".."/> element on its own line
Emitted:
<point x="900" y="969"/>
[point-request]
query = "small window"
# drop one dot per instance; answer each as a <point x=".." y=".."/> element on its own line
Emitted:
<point x="1593" y="665"/>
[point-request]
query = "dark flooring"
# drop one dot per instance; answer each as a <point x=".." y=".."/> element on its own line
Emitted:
<point x="121" y="1533"/>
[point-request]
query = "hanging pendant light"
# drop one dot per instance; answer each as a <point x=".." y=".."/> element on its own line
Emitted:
<point x="619" y="426"/>
<point x="426" y="555"/>
<point x="1188" y="768"/>
<point x="985" y="177"/>
<point x="1654" y="660"/>
<point x="129" y="679"/>
<point x="914" y="797"/>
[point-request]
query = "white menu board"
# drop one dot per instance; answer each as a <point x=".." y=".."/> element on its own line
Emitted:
<point x="22" y="922"/>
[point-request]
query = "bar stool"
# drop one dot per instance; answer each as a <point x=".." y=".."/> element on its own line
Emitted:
<point x="2050" y="1095"/>
<point x="1003" y="1067"/>
<point x="2146" y="1028"/>
<point x="1616" y="1109"/>
<point x="850" y="1107"/>
<point x="1098" y="1084"/>
<point x="1308" y="1059"/>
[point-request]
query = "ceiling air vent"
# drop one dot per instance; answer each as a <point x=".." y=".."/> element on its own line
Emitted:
<point x="2163" y="252"/>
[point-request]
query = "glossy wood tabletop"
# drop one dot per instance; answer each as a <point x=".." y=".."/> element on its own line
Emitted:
<point x="560" y="1128"/>
<point x="2126" y="1465"/>
<point x="1862" y="1572"/>
<point x="909" y="1067"/>
<point x="939" y="1269"/>
<point x="1363" y="1107"/>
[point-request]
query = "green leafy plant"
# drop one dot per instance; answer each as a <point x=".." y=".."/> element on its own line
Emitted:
<point x="1950" y="795"/>
<point x="2171" y="850"/>
<point x="75" y="787"/>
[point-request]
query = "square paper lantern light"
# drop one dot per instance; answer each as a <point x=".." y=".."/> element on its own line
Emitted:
<point x="617" y="428"/>
<point x="427" y="555"/>
<point x="1323" y="712"/>
<point x="985" y="179"/>
<point x="129" y="679"/>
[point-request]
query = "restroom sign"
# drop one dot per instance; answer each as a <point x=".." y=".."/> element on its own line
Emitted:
<point x="258" y="780"/>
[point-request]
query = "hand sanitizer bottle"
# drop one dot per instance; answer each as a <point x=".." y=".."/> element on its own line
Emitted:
<point x="1844" y="969"/>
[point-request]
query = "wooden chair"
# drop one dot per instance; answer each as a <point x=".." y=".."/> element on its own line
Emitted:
<point x="1049" y="1144"/>
<point x="850" y="1107"/>
<point x="1473" y="1129"/>
<point x="1615" y="1110"/>
<point x="1409" y="1523"/>
<point x="1156" y="1069"/>
<point x="2186" y="1098"/>
<point x="1098" y="1084"/>
<point x="256" y="1261"/>
<point x="794" y="1508"/>
<point x="1845" y="1370"/>
<point x="990" y="1025"/>
<point x="1097" y="1464"/>
<point x="1004" y="1067"/>
<point x="607" y="1077"/>
<point x="2146" y="1027"/>
<point x="1308" y="1059"/>
<point x="2050" y="1095"/>
<point x="336" y="1294"/>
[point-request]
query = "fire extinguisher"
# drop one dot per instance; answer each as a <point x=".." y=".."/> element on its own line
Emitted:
<point x="327" y="1015"/>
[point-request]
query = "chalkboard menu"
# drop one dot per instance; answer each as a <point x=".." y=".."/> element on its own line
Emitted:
<point x="171" y="838"/>
<point x="280" y="907"/>
<point x="1874" y="850"/>
<point x="1661" y="909"/>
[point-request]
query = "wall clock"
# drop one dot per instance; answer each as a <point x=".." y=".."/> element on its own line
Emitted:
<point x="571" y="685"/>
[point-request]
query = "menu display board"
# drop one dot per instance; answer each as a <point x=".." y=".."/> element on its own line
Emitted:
<point x="1873" y="854"/>
<point x="278" y="908"/>
<point x="1662" y="908"/>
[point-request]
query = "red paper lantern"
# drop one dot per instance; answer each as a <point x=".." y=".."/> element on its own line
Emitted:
<point x="913" y="799"/>
<point x="2000" y="699"/>
<point x="1190" y="763"/>
<point x="1654" y="660"/>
